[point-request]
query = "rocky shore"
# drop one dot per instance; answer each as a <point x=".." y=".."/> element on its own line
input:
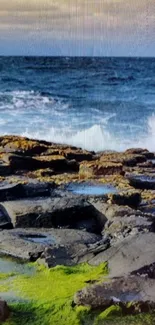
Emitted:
<point x="64" y="206"/>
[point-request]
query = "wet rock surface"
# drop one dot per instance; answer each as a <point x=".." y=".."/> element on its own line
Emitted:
<point x="61" y="205"/>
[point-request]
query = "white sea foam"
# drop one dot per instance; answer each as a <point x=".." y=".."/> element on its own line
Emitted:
<point x="97" y="139"/>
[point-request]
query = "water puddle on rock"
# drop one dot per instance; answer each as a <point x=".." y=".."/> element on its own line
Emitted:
<point x="39" y="239"/>
<point x="90" y="188"/>
<point x="145" y="178"/>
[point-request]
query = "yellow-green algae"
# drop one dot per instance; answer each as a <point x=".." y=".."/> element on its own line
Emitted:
<point x="48" y="296"/>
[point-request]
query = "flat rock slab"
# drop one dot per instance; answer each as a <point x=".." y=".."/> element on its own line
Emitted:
<point x="129" y="255"/>
<point x="28" y="244"/>
<point x="120" y="291"/>
<point x="52" y="212"/>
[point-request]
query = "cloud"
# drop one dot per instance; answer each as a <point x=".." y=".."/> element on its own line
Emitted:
<point x="91" y="21"/>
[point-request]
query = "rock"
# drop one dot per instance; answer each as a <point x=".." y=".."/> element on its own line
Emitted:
<point x="4" y="310"/>
<point x="112" y="211"/>
<point x="147" y="270"/>
<point x="4" y="169"/>
<point x="72" y="254"/>
<point x="18" y="162"/>
<point x="79" y="155"/>
<point x="29" y="244"/>
<point x="5" y="221"/>
<point x="142" y="181"/>
<point x="99" y="168"/>
<point x="10" y="191"/>
<point x="122" y="227"/>
<point x="17" y="144"/>
<point x="144" y="152"/>
<point x="130" y="198"/>
<point x="58" y="163"/>
<point x="37" y="189"/>
<point x="53" y="212"/>
<point x="14" y="191"/>
<point x="132" y="294"/>
<point x="128" y="255"/>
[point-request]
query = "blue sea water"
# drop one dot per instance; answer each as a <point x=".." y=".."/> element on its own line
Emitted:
<point x="94" y="103"/>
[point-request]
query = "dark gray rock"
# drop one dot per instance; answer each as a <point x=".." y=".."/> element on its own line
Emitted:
<point x="29" y="244"/>
<point x="72" y="254"/>
<point x="140" y="292"/>
<point x="5" y="221"/>
<point x="128" y="255"/>
<point x="53" y="212"/>
<point x="21" y="162"/>
<point x="142" y="182"/>
<point x="130" y="198"/>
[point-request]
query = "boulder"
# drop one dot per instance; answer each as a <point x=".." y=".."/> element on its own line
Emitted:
<point x="4" y="310"/>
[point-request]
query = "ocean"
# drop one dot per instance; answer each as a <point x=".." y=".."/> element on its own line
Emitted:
<point x="93" y="103"/>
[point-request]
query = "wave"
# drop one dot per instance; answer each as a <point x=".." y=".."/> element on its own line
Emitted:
<point x="97" y="139"/>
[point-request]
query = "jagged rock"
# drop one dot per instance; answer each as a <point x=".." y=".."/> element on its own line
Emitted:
<point x="53" y="212"/>
<point x="4" y="310"/>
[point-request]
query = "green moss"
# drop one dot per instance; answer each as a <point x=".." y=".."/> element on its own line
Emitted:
<point x="50" y="294"/>
<point x="109" y="312"/>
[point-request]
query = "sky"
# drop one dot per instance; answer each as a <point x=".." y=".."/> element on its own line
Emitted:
<point x="77" y="27"/>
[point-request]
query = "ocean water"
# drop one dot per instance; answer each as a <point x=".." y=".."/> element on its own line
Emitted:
<point x="94" y="103"/>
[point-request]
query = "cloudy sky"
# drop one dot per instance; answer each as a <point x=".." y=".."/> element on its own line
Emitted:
<point x="77" y="27"/>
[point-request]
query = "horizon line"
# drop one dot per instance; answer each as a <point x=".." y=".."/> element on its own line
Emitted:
<point x="77" y="56"/>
